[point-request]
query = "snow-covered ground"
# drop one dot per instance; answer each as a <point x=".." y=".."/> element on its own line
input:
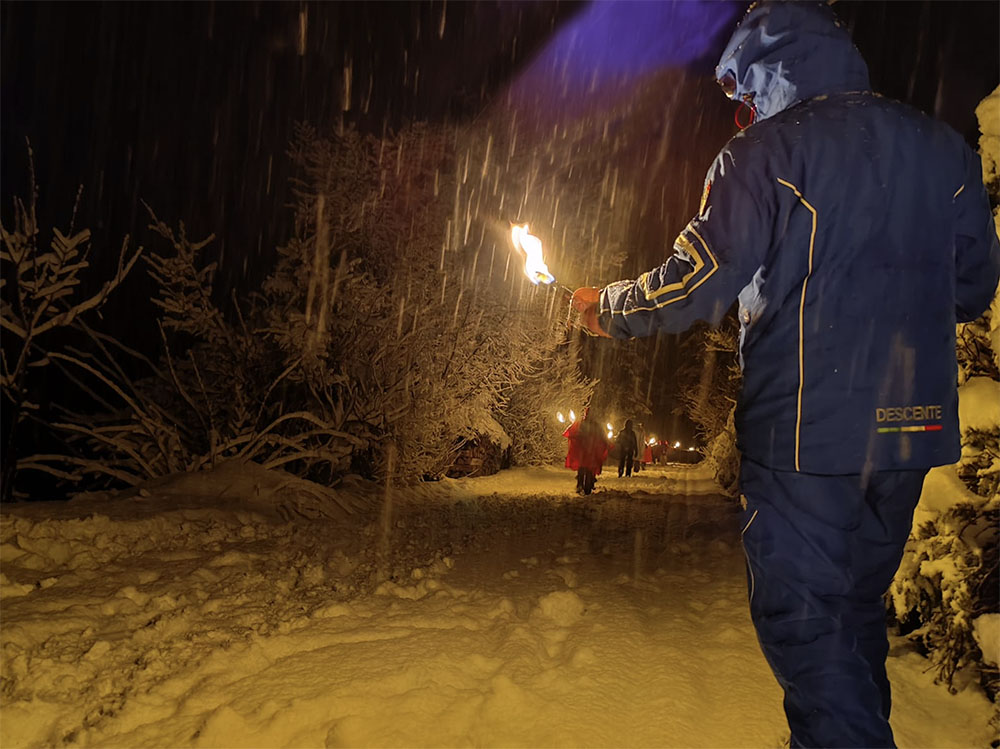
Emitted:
<point x="502" y="611"/>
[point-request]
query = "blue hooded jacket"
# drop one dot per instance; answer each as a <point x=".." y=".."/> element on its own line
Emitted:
<point x="855" y="232"/>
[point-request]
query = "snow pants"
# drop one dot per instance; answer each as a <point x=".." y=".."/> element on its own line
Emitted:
<point x="821" y="553"/>
<point x="625" y="464"/>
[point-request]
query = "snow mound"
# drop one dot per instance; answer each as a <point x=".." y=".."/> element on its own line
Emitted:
<point x="244" y="481"/>
<point x="563" y="607"/>
<point x="986" y="630"/>
<point x="988" y="113"/>
<point x="490" y="427"/>
<point x="979" y="404"/>
<point x="943" y="489"/>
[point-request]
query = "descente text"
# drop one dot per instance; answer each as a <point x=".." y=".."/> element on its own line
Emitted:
<point x="908" y="413"/>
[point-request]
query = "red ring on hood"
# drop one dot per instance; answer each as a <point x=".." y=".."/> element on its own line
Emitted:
<point x="753" y="114"/>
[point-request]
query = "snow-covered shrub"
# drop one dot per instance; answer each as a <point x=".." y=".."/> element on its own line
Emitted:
<point x="380" y="330"/>
<point x="410" y="321"/>
<point x="40" y="294"/>
<point x="722" y="455"/>
<point x="217" y="391"/>
<point x="387" y="327"/>
<point x="947" y="587"/>
<point x="948" y="578"/>
<point x="357" y="339"/>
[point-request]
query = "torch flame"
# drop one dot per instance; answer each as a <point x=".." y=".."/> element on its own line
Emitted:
<point x="534" y="264"/>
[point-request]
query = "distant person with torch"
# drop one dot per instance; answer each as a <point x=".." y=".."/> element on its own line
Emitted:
<point x="854" y="232"/>
<point x="588" y="449"/>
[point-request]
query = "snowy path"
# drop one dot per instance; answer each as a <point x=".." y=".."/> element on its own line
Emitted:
<point x="530" y="617"/>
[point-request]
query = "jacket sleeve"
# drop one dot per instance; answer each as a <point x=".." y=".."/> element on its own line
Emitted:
<point x="714" y="257"/>
<point x="977" y="249"/>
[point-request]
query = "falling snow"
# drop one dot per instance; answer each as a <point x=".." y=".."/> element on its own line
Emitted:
<point x="494" y="611"/>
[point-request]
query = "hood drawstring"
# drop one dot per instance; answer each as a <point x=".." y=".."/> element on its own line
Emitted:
<point x="748" y="104"/>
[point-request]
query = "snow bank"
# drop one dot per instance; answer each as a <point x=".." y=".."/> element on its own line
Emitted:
<point x="943" y="577"/>
<point x="252" y="485"/>
<point x="986" y="629"/>
<point x="943" y="489"/>
<point x="979" y="404"/>
<point x="988" y="113"/>
<point x="557" y="481"/>
<point x="489" y="619"/>
<point x="978" y="409"/>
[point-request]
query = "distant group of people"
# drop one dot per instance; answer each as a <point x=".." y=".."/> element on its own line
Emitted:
<point x="634" y="452"/>
<point x="589" y="447"/>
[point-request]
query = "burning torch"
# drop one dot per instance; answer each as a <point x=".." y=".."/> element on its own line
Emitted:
<point x="534" y="262"/>
<point x="538" y="273"/>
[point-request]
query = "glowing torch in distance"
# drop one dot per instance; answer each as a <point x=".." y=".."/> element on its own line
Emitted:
<point x="534" y="264"/>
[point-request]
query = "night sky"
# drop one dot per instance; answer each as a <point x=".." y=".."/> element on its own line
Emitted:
<point x="191" y="106"/>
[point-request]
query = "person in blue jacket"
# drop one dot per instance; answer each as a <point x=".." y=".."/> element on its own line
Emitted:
<point x="854" y="232"/>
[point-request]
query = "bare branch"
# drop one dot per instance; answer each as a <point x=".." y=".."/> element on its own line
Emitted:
<point x="92" y="302"/>
<point x="40" y="463"/>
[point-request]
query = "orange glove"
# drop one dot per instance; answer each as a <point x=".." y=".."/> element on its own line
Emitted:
<point x="585" y="301"/>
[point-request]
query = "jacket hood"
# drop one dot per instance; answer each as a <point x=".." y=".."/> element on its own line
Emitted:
<point x="786" y="52"/>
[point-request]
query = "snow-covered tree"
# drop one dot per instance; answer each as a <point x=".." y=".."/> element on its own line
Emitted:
<point x="408" y="319"/>
<point x="553" y="386"/>
<point x="214" y="393"/>
<point x="947" y="587"/>
<point x="396" y="321"/>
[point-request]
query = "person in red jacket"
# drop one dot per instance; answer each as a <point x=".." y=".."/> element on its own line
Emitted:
<point x="588" y="449"/>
